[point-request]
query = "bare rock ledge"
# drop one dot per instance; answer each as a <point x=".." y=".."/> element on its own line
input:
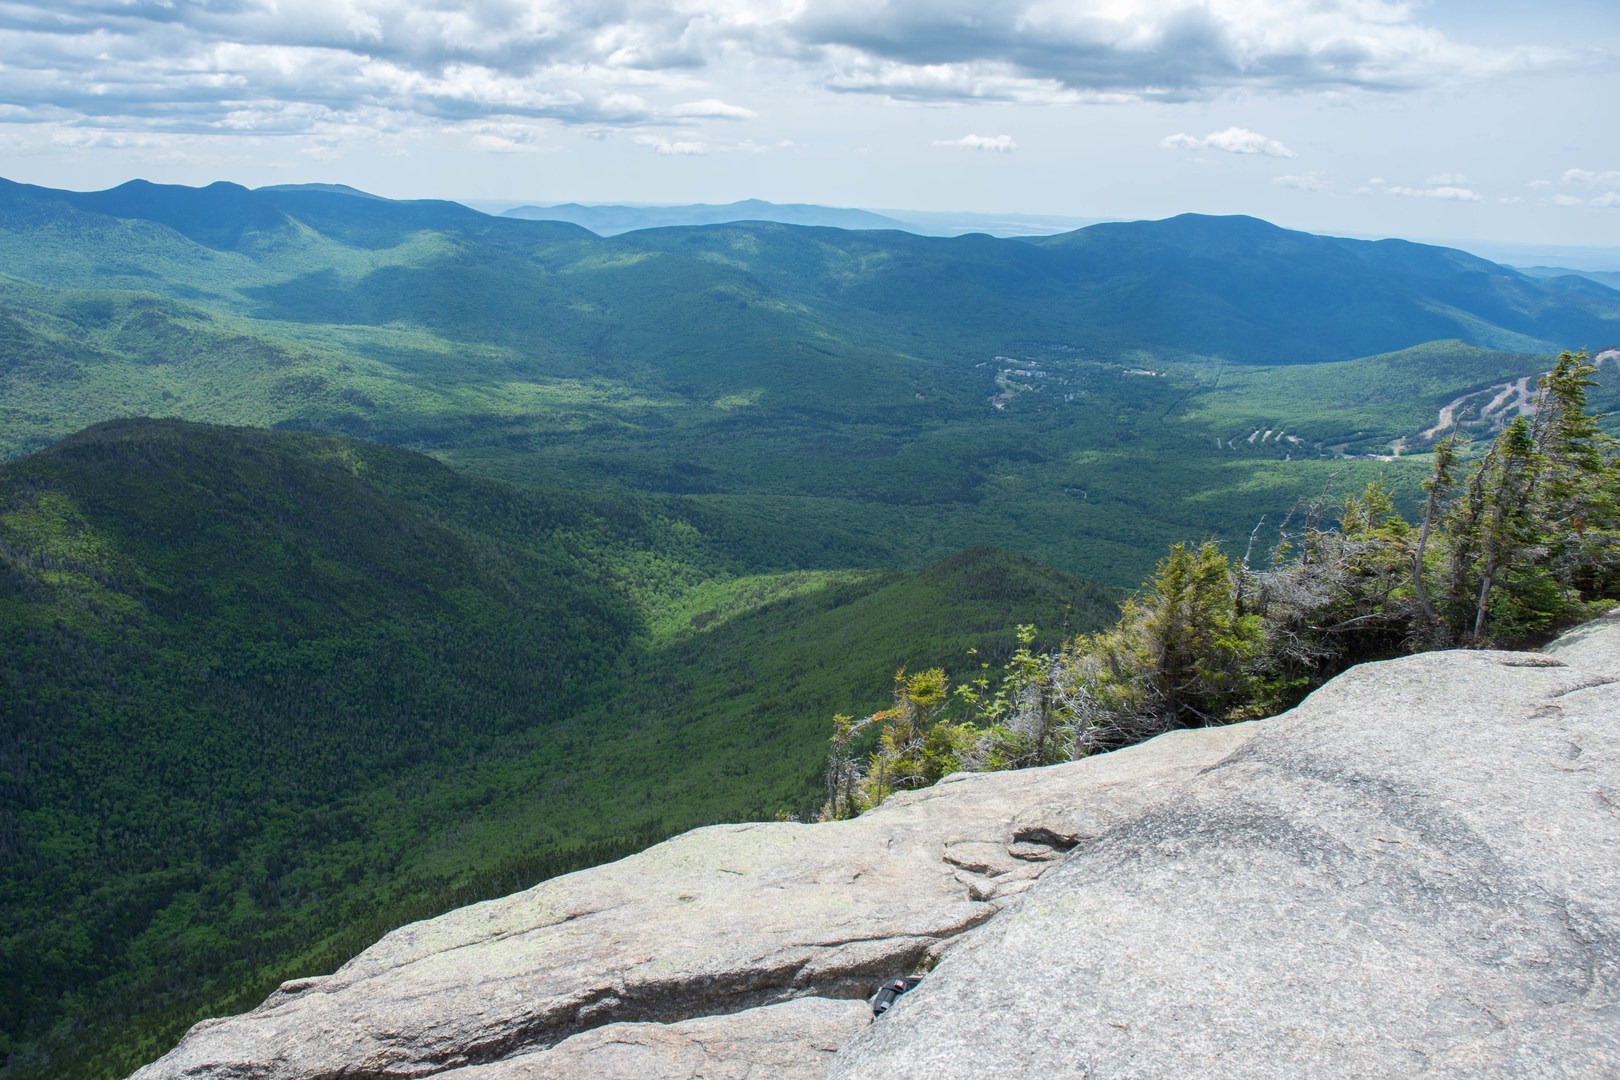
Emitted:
<point x="1415" y="873"/>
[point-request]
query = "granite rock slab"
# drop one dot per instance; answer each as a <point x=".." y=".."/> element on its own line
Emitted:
<point x="708" y="924"/>
<point x="1416" y="873"/>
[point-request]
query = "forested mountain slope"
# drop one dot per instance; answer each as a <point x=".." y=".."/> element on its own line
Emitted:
<point x="267" y="695"/>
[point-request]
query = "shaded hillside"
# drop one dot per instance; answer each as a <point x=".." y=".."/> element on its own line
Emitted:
<point x="268" y="694"/>
<point x="216" y="636"/>
<point x="744" y="695"/>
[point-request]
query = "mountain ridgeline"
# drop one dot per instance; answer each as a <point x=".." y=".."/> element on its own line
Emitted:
<point x="609" y="220"/>
<point x="1233" y="287"/>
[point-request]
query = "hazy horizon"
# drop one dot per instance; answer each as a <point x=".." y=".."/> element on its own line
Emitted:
<point x="1481" y="120"/>
<point x="1585" y="257"/>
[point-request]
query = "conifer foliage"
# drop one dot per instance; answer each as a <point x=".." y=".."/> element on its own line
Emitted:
<point x="1526" y="542"/>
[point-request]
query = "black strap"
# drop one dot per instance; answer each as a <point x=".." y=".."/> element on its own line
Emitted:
<point x="890" y="991"/>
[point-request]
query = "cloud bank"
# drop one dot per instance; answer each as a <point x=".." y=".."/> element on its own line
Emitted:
<point x="1583" y="187"/>
<point x="343" y="68"/>
<point x="681" y="148"/>
<point x="1447" y="192"/>
<point x="1311" y="181"/>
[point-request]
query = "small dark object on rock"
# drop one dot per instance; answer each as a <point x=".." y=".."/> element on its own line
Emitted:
<point x="890" y="991"/>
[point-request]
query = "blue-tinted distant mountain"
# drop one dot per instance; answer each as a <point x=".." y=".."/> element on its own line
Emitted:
<point x="1611" y="278"/>
<point x="228" y="217"/>
<point x="612" y="220"/>
<point x="1580" y="257"/>
<point x="930" y="223"/>
<point x="1225" y="285"/>
<point x="837" y="373"/>
<point x="220" y="215"/>
<point x="1232" y="287"/>
<point x="368" y="221"/>
<point x="330" y="189"/>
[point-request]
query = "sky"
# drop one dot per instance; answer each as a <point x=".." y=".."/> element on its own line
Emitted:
<point x="1486" y="120"/>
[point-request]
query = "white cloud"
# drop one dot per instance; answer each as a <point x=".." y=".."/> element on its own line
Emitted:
<point x="1311" y="181"/>
<point x="1578" y="188"/>
<point x="507" y="138"/>
<point x="849" y="71"/>
<point x="1234" y="140"/>
<point x="1509" y="200"/>
<point x="1583" y="180"/>
<point x="236" y="66"/>
<point x="683" y="148"/>
<point x="1609" y="200"/>
<point x="1588" y="178"/>
<point x="1446" y="192"/>
<point x="999" y="144"/>
<point x="98" y="139"/>
<point x="710" y="109"/>
<point x="1455" y="194"/>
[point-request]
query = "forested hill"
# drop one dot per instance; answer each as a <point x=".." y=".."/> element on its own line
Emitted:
<point x="1235" y="287"/>
<point x="267" y="695"/>
<point x="1242" y="288"/>
<point x="218" y="643"/>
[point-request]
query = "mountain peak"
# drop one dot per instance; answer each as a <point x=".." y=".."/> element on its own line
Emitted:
<point x="221" y="215"/>
<point x="327" y="189"/>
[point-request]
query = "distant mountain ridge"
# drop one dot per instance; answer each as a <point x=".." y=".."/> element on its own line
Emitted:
<point x="1611" y="278"/>
<point x="611" y="220"/>
<point x="1247" y="276"/>
<point x="1226" y="286"/>
<point x="331" y="189"/>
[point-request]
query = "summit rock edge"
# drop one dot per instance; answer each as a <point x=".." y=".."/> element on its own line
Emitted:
<point x="1416" y="872"/>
